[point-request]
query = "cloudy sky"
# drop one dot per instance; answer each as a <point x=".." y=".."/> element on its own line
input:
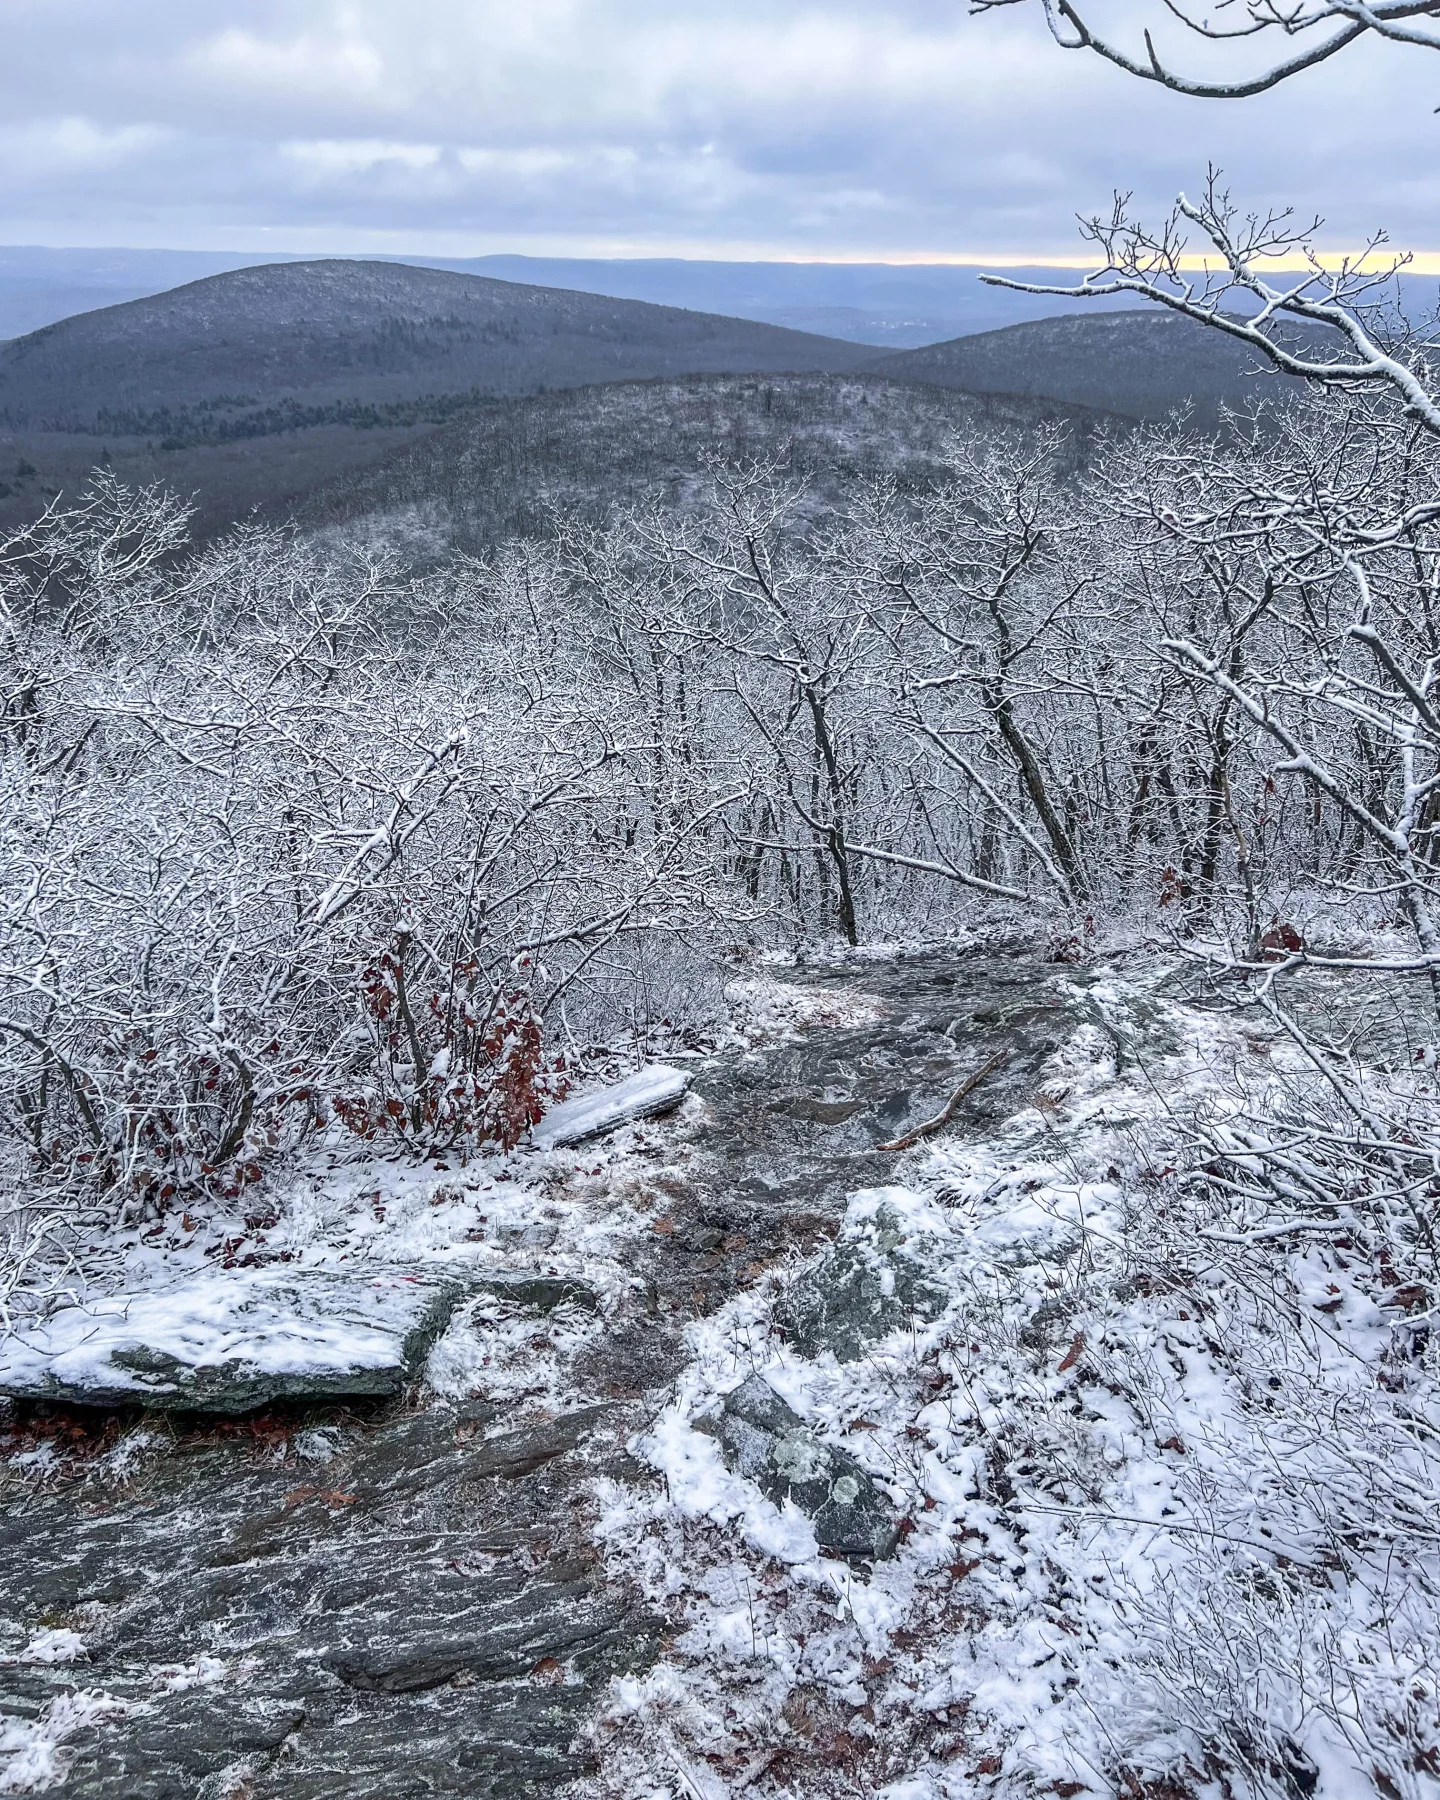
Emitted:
<point x="736" y="128"/>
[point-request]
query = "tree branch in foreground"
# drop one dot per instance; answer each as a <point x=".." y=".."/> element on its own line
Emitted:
<point x="929" y="1127"/>
<point x="1346" y="350"/>
<point x="1347" y="20"/>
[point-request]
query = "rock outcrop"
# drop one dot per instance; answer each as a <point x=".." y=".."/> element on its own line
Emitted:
<point x="861" y="1292"/>
<point x="229" y="1341"/>
<point x="765" y="1440"/>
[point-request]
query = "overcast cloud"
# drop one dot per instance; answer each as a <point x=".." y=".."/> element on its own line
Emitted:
<point x="748" y="128"/>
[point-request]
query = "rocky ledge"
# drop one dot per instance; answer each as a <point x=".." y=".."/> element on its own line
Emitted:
<point x="229" y="1341"/>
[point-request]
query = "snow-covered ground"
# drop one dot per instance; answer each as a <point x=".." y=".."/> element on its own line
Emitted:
<point x="1173" y="1517"/>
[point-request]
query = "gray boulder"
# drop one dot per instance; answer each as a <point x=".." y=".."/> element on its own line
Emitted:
<point x="860" y="1293"/>
<point x="765" y="1440"/>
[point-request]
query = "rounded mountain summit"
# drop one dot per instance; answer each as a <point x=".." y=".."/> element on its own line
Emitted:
<point x="316" y="333"/>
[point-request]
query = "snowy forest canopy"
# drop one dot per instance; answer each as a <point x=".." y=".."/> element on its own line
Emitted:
<point x="294" y="836"/>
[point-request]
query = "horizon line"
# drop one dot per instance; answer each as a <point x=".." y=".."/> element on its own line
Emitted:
<point x="1415" y="262"/>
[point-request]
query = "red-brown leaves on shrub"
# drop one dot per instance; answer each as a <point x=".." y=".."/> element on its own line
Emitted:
<point x="1173" y="886"/>
<point x="454" y="1063"/>
<point x="1279" y="941"/>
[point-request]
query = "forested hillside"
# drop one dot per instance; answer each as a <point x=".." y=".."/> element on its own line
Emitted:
<point x="250" y="388"/>
<point x="263" y="387"/>
<point x="1143" y="364"/>
<point x="214" y="354"/>
<point x="512" y="469"/>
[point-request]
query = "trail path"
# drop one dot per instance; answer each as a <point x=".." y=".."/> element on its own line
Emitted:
<point x="407" y="1599"/>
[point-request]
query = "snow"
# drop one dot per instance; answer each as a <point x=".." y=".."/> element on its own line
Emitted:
<point x="499" y="1348"/>
<point x="1148" y="1491"/>
<point x="189" y="1341"/>
<point x="765" y="1010"/>
<point x="32" y="1754"/>
<point x="656" y="1089"/>
<point x="1128" y="1474"/>
<point x="344" y="1221"/>
<point x="55" y="1644"/>
<point x="180" y="1678"/>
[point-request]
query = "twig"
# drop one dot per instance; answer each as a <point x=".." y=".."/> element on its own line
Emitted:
<point x="947" y="1112"/>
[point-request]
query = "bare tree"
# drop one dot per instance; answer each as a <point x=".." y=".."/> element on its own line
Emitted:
<point x="1326" y="325"/>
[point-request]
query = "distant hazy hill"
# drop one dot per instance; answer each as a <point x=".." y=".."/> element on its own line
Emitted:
<point x="892" y="306"/>
<point x="309" y="343"/>
<point x="40" y="285"/>
<point x="490" y="476"/>
<point x="1142" y="364"/>
<point x="261" y="386"/>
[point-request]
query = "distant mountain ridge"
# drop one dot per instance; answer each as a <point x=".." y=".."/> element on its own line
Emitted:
<point x="259" y="387"/>
<point x="890" y="305"/>
<point x="385" y="334"/>
<point x="1145" y="364"/>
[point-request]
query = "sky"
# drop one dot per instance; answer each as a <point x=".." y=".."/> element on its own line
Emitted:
<point x="808" y="129"/>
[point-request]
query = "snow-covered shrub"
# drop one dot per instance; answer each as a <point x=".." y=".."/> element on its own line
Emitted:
<point x="233" y="783"/>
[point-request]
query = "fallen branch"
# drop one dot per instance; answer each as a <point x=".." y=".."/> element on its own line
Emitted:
<point x="947" y="1112"/>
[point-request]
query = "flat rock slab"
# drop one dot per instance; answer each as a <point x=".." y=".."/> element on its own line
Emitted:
<point x="228" y="1341"/>
<point x="767" y="1441"/>
<point x="421" y="1616"/>
<point x="658" y="1089"/>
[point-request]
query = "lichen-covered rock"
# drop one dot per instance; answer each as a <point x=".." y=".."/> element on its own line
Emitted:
<point x="765" y="1440"/>
<point x="861" y="1292"/>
